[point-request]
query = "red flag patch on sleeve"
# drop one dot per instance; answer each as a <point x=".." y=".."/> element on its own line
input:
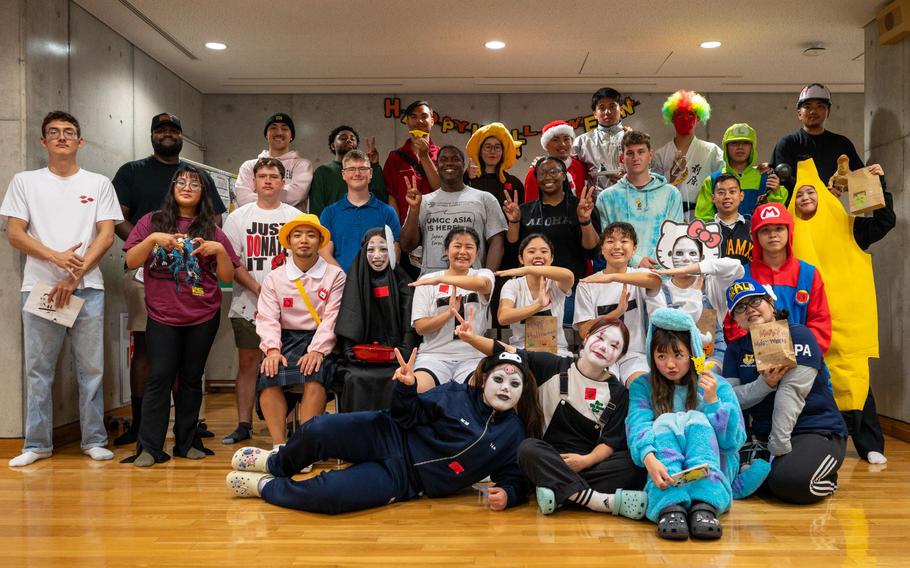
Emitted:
<point x="288" y="303"/>
<point x="456" y="467"/>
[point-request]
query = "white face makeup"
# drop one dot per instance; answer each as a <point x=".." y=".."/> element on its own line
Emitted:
<point x="602" y="348"/>
<point x="377" y="253"/>
<point x="503" y="388"/>
<point x="684" y="253"/>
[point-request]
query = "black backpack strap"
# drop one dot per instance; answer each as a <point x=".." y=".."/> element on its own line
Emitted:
<point x="407" y="157"/>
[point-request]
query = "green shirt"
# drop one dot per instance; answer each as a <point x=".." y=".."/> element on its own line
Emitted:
<point x="329" y="187"/>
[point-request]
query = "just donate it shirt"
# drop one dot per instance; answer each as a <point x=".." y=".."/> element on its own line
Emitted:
<point x="253" y="233"/>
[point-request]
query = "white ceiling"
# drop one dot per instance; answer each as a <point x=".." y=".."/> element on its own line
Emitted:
<point x="407" y="46"/>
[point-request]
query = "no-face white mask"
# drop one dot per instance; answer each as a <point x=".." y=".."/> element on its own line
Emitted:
<point x="503" y="388"/>
<point x="377" y="253"/>
<point x="684" y="253"/>
<point x="602" y="348"/>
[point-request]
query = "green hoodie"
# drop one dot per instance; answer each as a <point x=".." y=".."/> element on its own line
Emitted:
<point x="751" y="180"/>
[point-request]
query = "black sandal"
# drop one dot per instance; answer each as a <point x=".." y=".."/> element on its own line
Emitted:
<point x="672" y="523"/>
<point x="704" y="523"/>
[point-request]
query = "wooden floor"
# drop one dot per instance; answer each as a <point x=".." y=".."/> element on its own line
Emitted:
<point x="70" y="511"/>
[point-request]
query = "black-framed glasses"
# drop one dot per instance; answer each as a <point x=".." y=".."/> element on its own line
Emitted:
<point x="359" y="170"/>
<point x="66" y="133"/>
<point x="750" y="302"/>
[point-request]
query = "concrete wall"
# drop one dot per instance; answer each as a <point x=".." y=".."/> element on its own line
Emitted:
<point x="887" y="123"/>
<point x="55" y="55"/>
<point x="233" y="123"/>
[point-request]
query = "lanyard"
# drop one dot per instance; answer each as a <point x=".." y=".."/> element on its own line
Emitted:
<point x="306" y="300"/>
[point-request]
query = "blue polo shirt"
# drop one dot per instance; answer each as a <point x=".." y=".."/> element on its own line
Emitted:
<point x="347" y="223"/>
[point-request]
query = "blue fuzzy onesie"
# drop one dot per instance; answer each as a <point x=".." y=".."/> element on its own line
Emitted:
<point x="711" y="434"/>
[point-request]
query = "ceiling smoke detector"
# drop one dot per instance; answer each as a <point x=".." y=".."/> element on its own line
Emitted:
<point x="814" y="50"/>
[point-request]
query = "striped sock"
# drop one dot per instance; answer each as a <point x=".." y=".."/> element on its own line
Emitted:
<point x="594" y="500"/>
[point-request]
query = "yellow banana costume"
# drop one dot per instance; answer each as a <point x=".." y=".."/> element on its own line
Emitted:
<point x="500" y="132"/>
<point x="826" y="241"/>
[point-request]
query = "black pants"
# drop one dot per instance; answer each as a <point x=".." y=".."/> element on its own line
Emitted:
<point x="174" y="352"/>
<point x="542" y="465"/>
<point x="808" y="473"/>
<point x="380" y="472"/>
<point x="865" y="428"/>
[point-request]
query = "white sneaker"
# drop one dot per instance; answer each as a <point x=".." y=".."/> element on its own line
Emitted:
<point x="99" y="453"/>
<point x="28" y="457"/>
<point x="876" y="458"/>
<point x="245" y="483"/>
<point x="251" y="459"/>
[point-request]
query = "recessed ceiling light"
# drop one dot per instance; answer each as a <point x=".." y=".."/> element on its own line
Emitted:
<point x="495" y="44"/>
<point x="710" y="44"/>
<point x="215" y="45"/>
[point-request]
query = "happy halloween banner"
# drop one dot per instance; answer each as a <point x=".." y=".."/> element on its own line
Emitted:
<point x="394" y="109"/>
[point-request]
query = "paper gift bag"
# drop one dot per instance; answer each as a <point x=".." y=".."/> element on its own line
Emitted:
<point x="540" y="333"/>
<point x="39" y="303"/>
<point x="865" y="192"/>
<point x="772" y="345"/>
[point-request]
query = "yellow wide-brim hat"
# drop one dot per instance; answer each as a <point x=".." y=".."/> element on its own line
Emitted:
<point x="303" y="219"/>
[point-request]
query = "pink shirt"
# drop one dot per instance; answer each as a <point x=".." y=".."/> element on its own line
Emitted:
<point x="281" y="306"/>
<point x="298" y="174"/>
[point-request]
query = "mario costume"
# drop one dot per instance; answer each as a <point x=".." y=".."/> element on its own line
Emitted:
<point x="797" y="284"/>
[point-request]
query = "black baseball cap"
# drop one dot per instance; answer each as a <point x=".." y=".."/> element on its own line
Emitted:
<point x="166" y="118"/>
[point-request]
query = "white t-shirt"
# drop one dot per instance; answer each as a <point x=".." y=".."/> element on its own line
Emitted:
<point x="253" y="233"/>
<point x="442" y="211"/>
<point x="432" y="300"/>
<point x="518" y="292"/>
<point x="702" y="159"/>
<point x="61" y="212"/>
<point x="587" y="396"/>
<point x="595" y="300"/>
<point x="719" y="274"/>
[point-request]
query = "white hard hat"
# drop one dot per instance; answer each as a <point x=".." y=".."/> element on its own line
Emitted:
<point x="814" y="91"/>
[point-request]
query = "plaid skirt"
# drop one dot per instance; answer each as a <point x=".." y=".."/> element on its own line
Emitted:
<point x="294" y="345"/>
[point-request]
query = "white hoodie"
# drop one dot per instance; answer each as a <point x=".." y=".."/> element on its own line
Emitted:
<point x="297" y="178"/>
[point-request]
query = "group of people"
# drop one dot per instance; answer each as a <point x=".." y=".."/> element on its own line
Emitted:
<point x="384" y="286"/>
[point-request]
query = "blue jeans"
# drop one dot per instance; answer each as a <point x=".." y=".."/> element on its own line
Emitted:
<point x="43" y="342"/>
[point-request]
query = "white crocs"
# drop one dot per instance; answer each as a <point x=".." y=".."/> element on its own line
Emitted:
<point x="251" y="459"/>
<point x="245" y="483"/>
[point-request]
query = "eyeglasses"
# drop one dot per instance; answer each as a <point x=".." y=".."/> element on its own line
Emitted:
<point x="358" y="170"/>
<point x="67" y="133"/>
<point x="193" y="185"/>
<point x="554" y="172"/>
<point x="750" y="302"/>
<point x="491" y="148"/>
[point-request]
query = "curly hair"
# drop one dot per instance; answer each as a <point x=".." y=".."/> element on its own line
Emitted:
<point x="686" y="100"/>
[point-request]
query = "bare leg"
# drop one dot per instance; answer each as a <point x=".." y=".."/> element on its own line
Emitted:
<point x="245" y="388"/>
<point x="275" y="410"/>
<point x="313" y="403"/>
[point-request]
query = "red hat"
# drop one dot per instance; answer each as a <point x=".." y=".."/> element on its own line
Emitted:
<point x="555" y="128"/>
<point x="770" y="214"/>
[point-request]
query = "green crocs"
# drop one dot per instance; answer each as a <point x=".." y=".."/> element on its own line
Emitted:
<point x="546" y="500"/>
<point x="631" y="504"/>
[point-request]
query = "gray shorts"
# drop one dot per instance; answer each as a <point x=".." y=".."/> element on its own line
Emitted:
<point x="446" y="370"/>
<point x="134" y="293"/>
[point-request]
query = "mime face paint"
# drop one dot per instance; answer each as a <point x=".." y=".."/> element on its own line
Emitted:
<point x="602" y="348"/>
<point x="503" y="388"/>
<point x="378" y="253"/>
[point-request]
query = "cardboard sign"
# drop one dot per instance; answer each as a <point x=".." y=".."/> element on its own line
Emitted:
<point x="865" y="192"/>
<point x="540" y="334"/>
<point x="39" y="303"/>
<point x="773" y="345"/>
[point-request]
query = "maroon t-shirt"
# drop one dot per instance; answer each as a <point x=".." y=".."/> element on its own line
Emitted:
<point x="176" y="302"/>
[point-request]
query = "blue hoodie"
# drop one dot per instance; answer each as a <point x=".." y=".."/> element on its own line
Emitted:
<point x="456" y="440"/>
<point x="645" y="209"/>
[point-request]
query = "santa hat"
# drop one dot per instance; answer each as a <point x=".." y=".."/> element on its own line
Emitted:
<point x="555" y="128"/>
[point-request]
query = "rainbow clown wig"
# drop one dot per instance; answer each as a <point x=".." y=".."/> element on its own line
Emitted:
<point x="686" y="100"/>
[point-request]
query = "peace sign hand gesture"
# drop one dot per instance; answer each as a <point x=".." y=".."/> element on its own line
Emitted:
<point x="404" y="374"/>
<point x="412" y="192"/>
<point x="466" y="326"/>
<point x="372" y="152"/>
<point x="585" y="204"/>
<point x="510" y="207"/>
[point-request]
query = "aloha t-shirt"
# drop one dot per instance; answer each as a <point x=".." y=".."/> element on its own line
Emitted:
<point x="173" y="301"/>
<point x="142" y="184"/>
<point x="432" y="300"/>
<point x="518" y="292"/>
<point x="595" y="300"/>
<point x="441" y="211"/>
<point x="61" y="212"/>
<point x="253" y="233"/>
